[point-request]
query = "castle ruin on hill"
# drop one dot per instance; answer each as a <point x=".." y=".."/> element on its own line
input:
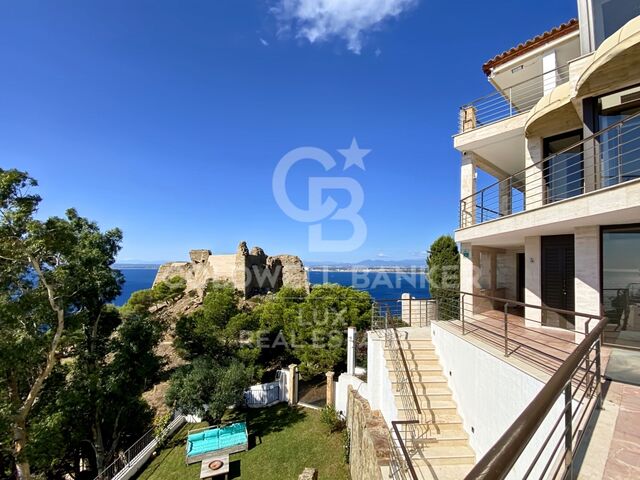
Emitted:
<point x="251" y="272"/>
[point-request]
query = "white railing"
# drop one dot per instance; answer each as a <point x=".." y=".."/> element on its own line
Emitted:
<point x="511" y="101"/>
<point x="132" y="459"/>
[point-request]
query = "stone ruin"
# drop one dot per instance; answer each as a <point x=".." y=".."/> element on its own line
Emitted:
<point x="251" y="272"/>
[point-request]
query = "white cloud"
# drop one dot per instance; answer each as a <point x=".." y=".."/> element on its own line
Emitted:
<point x="264" y="42"/>
<point x="381" y="255"/>
<point x="318" y="20"/>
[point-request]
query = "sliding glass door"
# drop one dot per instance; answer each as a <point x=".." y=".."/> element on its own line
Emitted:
<point x="621" y="284"/>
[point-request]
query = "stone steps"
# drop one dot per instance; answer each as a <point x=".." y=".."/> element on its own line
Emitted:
<point x="444" y="455"/>
<point x="439" y="444"/>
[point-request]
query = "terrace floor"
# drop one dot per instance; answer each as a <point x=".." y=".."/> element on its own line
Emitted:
<point x="282" y="442"/>
<point x="612" y="441"/>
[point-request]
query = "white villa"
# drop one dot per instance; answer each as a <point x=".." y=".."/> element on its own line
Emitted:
<point x="519" y="374"/>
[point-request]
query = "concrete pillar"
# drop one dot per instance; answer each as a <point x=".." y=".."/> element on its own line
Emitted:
<point x="534" y="187"/>
<point x="549" y="65"/>
<point x="468" y="119"/>
<point x="292" y="386"/>
<point x="351" y="350"/>
<point x="468" y="276"/>
<point x="587" y="281"/>
<point x="331" y="389"/>
<point x="404" y="308"/>
<point x="505" y="193"/>
<point x="467" y="188"/>
<point x="532" y="280"/>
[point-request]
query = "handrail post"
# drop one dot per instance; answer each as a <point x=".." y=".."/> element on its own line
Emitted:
<point x="410" y="313"/>
<point x="462" y="314"/>
<point x="568" y="432"/>
<point x="506" y="330"/>
<point x="510" y="102"/>
<point x="598" y="376"/>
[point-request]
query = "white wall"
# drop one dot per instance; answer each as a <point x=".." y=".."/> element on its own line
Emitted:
<point x="342" y="391"/>
<point x="490" y="394"/>
<point x="380" y="390"/>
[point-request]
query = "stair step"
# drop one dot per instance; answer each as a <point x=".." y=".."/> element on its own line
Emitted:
<point x="422" y="354"/>
<point x="426" y="471"/>
<point x="414" y="345"/>
<point x="443" y="455"/>
<point x="436" y="420"/>
<point x="417" y="377"/>
<point x="441" y="406"/>
<point x="422" y="387"/>
<point x="431" y="436"/>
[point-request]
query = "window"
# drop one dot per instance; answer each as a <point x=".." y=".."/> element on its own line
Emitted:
<point x="610" y="15"/>
<point x="620" y="146"/>
<point x="563" y="171"/>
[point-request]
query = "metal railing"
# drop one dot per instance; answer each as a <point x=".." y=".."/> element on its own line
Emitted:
<point x="388" y="316"/>
<point x="558" y="415"/>
<point x="607" y="158"/>
<point x="126" y="459"/>
<point x="511" y="101"/>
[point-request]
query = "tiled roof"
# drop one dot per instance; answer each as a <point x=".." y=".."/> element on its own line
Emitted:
<point x="535" y="42"/>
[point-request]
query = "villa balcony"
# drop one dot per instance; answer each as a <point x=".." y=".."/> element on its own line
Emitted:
<point x="510" y="101"/>
<point x="572" y="177"/>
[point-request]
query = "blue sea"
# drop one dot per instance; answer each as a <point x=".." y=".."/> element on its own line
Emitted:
<point x="380" y="285"/>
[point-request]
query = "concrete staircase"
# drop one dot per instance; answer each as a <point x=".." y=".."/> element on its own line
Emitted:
<point x="439" y="446"/>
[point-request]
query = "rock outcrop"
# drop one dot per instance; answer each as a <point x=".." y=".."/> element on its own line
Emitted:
<point x="252" y="272"/>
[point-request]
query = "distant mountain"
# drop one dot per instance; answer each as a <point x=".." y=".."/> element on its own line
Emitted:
<point x="125" y="265"/>
<point x="418" y="263"/>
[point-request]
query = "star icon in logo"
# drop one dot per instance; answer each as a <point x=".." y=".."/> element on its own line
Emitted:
<point x="354" y="155"/>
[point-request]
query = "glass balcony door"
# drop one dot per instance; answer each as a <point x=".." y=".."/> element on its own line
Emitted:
<point x="563" y="169"/>
<point x="620" y="146"/>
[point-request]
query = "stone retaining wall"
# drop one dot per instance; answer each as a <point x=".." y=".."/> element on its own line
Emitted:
<point x="369" y="439"/>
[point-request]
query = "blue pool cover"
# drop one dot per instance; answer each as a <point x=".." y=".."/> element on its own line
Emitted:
<point x="216" y="439"/>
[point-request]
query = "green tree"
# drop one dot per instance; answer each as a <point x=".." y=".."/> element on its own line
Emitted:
<point x="54" y="274"/>
<point x="318" y="333"/>
<point x="206" y="388"/>
<point x="443" y="273"/>
<point x="216" y="329"/>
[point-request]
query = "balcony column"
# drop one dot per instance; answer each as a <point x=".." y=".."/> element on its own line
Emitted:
<point x="467" y="188"/>
<point x="534" y="181"/>
<point x="506" y="196"/>
<point x="469" y="274"/>
<point x="587" y="280"/>
<point x="532" y="280"/>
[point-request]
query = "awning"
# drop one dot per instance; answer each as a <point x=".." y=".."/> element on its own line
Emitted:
<point x="616" y="62"/>
<point x="553" y="113"/>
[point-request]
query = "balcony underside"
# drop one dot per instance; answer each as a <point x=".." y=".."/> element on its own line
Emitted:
<point x="615" y="205"/>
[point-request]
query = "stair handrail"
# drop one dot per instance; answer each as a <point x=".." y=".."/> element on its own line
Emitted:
<point x="501" y="458"/>
<point x="406" y="372"/>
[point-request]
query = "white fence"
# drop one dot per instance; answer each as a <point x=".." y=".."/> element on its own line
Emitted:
<point x="130" y="461"/>
<point x="267" y="394"/>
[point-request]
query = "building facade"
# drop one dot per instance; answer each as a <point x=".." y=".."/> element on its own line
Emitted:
<point x="550" y="176"/>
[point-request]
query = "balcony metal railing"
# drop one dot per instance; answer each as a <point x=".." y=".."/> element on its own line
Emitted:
<point x="607" y="158"/>
<point x="558" y="415"/>
<point x="551" y="428"/>
<point x="512" y="101"/>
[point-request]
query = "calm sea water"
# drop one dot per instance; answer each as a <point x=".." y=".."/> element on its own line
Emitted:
<point x="380" y="285"/>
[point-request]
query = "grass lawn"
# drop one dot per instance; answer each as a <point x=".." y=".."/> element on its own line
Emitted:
<point x="282" y="442"/>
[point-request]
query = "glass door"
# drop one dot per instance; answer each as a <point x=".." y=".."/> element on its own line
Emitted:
<point x="621" y="284"/>
<point x="620" y="146"/>
<point x="563" y="169"/>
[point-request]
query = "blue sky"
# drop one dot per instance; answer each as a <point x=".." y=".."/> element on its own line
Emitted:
<point x="168" y="118"/>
